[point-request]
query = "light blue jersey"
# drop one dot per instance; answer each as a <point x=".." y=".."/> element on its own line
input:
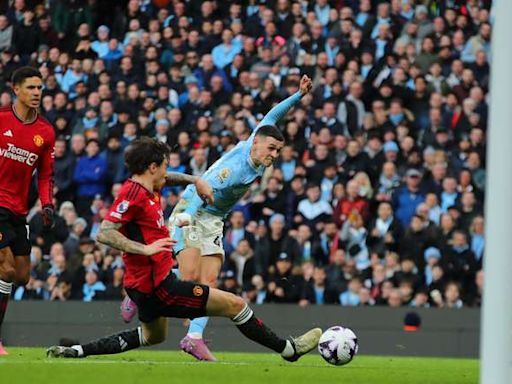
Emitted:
<point x="232" y="175"/>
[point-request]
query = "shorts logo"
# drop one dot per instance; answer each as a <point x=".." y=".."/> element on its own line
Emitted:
<point x="217" y="241"/>
<point x="197" y="290"/>
<point x="38" y="140"/>
<point x="192" y="236"/>
<point x="123" y="206"/>
<point x="223" y="175"/>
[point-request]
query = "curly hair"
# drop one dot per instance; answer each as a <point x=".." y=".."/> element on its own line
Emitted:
<point x="143" y="152"/>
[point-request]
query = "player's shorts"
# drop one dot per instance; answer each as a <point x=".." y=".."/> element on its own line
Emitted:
<point x="206" y="232"/>
<point x="172" y="298"/>
<point x="14" y="233"/>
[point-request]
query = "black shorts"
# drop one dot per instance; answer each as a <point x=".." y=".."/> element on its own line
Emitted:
<point x="13" y="233"/>
<point x="172" y="298"/>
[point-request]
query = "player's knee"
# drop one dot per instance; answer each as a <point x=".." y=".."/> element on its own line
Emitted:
<point x="189" y="275"/>
<point x="236" y="305"/>
<point x="210" y="280"/>
<point x="8" y="273"/>
<point x="22" y="279"/>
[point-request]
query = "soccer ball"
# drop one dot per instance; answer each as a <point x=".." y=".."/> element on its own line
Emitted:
<point x="338" y="345"/>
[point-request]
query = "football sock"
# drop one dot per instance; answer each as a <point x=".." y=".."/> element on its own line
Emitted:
<point x="254" y="329"/>
<point x="117" y="343"/>
<point x="5" y="293"/>
<point x="197" y="326"/>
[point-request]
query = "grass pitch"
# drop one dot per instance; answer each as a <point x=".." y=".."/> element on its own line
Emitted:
<point x="29" y="365"/>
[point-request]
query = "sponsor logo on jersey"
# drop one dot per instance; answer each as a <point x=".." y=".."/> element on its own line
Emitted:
<point x="223" y="175"/>
<point x="197" y="290"/>
<point x="8" y="133"/>
<point x="38" y="140"/>
<point x="18" y="154"/>
<point x="123" y="206"/>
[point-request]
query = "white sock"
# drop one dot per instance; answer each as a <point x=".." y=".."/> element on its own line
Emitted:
<point x="5" y="287"/>
<point x="78" y="348"/>
<point x="142" y="340"/>
<point x="288" y="350"/>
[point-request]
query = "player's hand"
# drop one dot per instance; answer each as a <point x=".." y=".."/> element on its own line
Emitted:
<point x="305" y="85"/>
<point x="162" y="245"/>
<point x="204" y="190"/>
<point x="48" y="216"/>
<point x="182" y="219"/>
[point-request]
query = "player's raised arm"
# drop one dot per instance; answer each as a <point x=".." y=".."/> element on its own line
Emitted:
<point x="281" y="109"/>
<point x="109" y="235"/>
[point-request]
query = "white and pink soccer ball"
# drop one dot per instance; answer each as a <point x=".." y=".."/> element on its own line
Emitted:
<point x="338" y="345"/>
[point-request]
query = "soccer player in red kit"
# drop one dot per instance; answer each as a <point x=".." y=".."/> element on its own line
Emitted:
<point x="135" y="225"/>
<point x="26" y="145"/>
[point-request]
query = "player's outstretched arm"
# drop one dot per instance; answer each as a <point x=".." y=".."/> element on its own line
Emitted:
<point x="109" y="235"/>
<point x="281" y="109"/>
<point x="204" y="190"/>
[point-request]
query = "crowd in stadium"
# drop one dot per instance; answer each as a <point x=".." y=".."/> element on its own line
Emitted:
<point x="377" y="198"/>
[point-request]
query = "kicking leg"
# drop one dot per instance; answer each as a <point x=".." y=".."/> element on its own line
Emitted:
<point x="151" y="333"/>
<point x="193" y="342"/>
<point x="7" y="276"/>
<point x="225" y="304"/>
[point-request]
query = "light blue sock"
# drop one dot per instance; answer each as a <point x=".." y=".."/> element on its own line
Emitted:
<point x="197" y="327"/>
<point x="177" y="272"/>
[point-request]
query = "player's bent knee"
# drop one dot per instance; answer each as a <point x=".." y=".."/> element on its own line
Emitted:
<point x="237" y="304"/>
<point x="22" y="280"/>
<point x="210" y="281"/>
<point x="8" y="273"/>
<point x="189" y="275"/>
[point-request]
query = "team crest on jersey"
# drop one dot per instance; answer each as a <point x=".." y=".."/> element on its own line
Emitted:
<point x="38" y="140"/>
<point x="223" y="175"/>
<point x="123" y="206"/>
<point x="197" y="290"/>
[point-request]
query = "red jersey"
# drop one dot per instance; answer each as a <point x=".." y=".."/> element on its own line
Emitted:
<point x="140" y="213"/>
<point x="24" y="147"/>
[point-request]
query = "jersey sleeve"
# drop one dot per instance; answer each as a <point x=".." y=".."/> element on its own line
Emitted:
<point x="45" y="172"/>
<point x="123" y="209"/>
<point x="277" y="113"/>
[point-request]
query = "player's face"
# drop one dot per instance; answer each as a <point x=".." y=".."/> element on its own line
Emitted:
<point x="160" y="175"/>
<point x="29" y="92"/>
<point x="268" y="149"/>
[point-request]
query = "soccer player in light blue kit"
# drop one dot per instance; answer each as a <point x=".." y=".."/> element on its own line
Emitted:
<point x="199" y="249"/>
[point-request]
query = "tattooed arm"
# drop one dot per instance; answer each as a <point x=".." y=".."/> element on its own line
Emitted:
<point x="109" y="235"/>
<point x="176" y="178"/>
<point x="204" y="190"/>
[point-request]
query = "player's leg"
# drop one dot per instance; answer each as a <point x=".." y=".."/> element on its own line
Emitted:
<point x="14" y="260"/>
<point x="151" y="333"/>
<point x="22" y="267"/>
<point x="193" y="342"/>
<point x="226" y="304"/>
<point x="185" y="299"/>
<point x="153" y="330"/>
<point x="7" y="277"/>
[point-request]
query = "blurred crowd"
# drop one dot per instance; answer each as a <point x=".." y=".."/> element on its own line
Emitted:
<point x="377" y="197"/>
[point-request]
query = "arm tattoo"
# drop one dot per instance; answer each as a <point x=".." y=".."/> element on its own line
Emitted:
<point x="175" y="178"/>
<point x="109" y="235"/>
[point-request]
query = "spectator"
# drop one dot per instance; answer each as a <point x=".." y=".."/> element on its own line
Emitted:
<point x="90" y="176"/>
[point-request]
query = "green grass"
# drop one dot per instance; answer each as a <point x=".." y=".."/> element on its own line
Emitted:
<point x="29" y="365"/>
